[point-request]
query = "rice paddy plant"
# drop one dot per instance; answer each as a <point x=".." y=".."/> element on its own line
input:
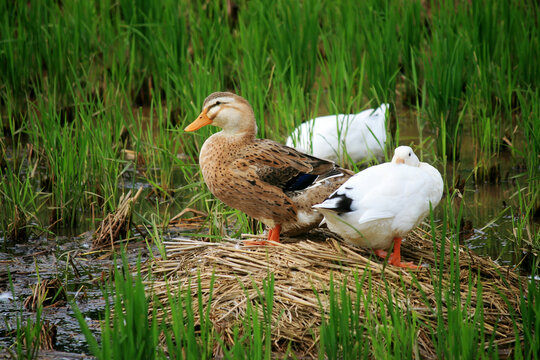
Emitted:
<point x="251" y="62"/>
<point x="20" y="204"/>
<point x="127" y="331"/>
<point x="412" y="31"/>
<point x="15" y="58"/>
<point x="159" y="147"/>
<point x="341" y="58"/>
<point x="160" y="32"/>
<point x="524" y="45"/>
<point x="65" y="151"/>
<point x="172" y="60"/>
<point x="28" y="337"/>
<point x="255" y="336"/>
<point x="344" y="332"/>
<point x="396" y="332"/>
<point x="526" y="238"/>
<point x="530" y="113"/>
<point x="211" y="53"/>
<point x="382" y="48"/>
<point x="291" y="61"/>
<point x="105" y="167"/>
<point x="294" y="108"/>
<point x="370" y="325"/>
<point x="459" y="332"/>
<point x="63" y="46"/>
<point x="482" y="24"/>
<point x="488" y="29"/>
<point x="492" y="84"/>
<point x="530" y="319"/>
<point x="293" y="49"/>
<point x="446" y="69"/>
<point x="528" y="316"/>
<point x="342" y="78"/>
<point x="487" y="135"/>
<point x="138" y="18"/>
<point x="339" y="30"/>
<point x="464" y="331"/>
<point x="528" y="189"/>
<point x="184" y="339"/>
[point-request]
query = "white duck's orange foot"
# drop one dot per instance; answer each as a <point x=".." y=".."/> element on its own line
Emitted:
<point x="381" y="253"/>
<point x="396" y="261"/>
<point x="395" y="258"/>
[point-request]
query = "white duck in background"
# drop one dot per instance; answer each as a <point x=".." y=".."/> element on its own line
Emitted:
<point x="383" y="203"/>
<point x="362" y="136"/>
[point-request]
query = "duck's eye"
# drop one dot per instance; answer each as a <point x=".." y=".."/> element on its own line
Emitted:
<point x="409" y="154"/>
<point x="218" y="102"/>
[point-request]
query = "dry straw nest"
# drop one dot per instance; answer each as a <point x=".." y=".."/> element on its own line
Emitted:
<point x="304" y="266"/>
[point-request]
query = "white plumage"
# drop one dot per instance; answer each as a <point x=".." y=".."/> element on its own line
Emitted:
<point x="362" y="136"/>
<point x="384" y="202"/>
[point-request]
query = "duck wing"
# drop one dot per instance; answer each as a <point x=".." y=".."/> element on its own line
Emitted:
<point x="283" y="166"/>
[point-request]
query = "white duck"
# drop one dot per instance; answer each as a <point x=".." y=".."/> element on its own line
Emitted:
<point x="383" y="203"/>
<point x="362" y="136"/>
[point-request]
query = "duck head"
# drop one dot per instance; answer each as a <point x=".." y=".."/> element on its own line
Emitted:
<point x="228" y="111"/>
<point x="405" y="155"/>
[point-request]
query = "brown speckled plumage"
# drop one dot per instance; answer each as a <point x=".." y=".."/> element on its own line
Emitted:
<point x="251" y="174"/>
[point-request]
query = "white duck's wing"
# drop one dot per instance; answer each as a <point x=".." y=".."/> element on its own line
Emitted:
<point x="375" y="215"/>
<point x="350" y="196"/>
<point x="406" y="193"/>
<point x="382" y="192"/>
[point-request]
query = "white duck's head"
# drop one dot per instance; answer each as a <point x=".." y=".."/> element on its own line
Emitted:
<point x="405" y="155"/>
<point x="228" y="111"/>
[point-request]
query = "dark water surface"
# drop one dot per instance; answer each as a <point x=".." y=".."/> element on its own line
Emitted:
<point x="490" y="208"/>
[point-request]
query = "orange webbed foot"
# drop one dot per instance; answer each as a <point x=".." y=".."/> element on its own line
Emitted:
<point x="395" y="257"/>
<point x="273" y="238"/>
<point x="398" y="263"/>
<point x="381" y="253"/>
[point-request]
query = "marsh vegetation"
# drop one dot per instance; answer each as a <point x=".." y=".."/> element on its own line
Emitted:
<point x="93" y="99"/>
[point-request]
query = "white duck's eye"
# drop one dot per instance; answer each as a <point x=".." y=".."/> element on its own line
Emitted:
<point x="410" y="154"/>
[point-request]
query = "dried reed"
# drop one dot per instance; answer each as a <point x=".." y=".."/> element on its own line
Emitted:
<point x="302" y="272"/>
<point x="115" y="224"/>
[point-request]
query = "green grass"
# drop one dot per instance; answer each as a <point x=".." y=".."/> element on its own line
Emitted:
<point x="21" y="203"/>
<point x="28" y="336"/>
<point x="82" y="78"/>
<point x="127" y="332"/>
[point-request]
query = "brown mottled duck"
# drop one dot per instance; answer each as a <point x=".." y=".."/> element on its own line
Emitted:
<point x="268" y="181"/>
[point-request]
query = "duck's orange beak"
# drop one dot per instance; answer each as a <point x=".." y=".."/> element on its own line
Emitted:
<point x="398" y="160"/>
<point x="201" y="121"/>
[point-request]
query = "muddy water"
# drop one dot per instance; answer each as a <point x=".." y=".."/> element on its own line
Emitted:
<point x="489" y="208"/>
<point x="82" y="272"/>
<point x="43" y="259"/>
<point x="67" y="257"/>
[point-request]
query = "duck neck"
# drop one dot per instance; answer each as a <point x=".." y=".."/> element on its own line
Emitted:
<point x="242" y="129"/>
